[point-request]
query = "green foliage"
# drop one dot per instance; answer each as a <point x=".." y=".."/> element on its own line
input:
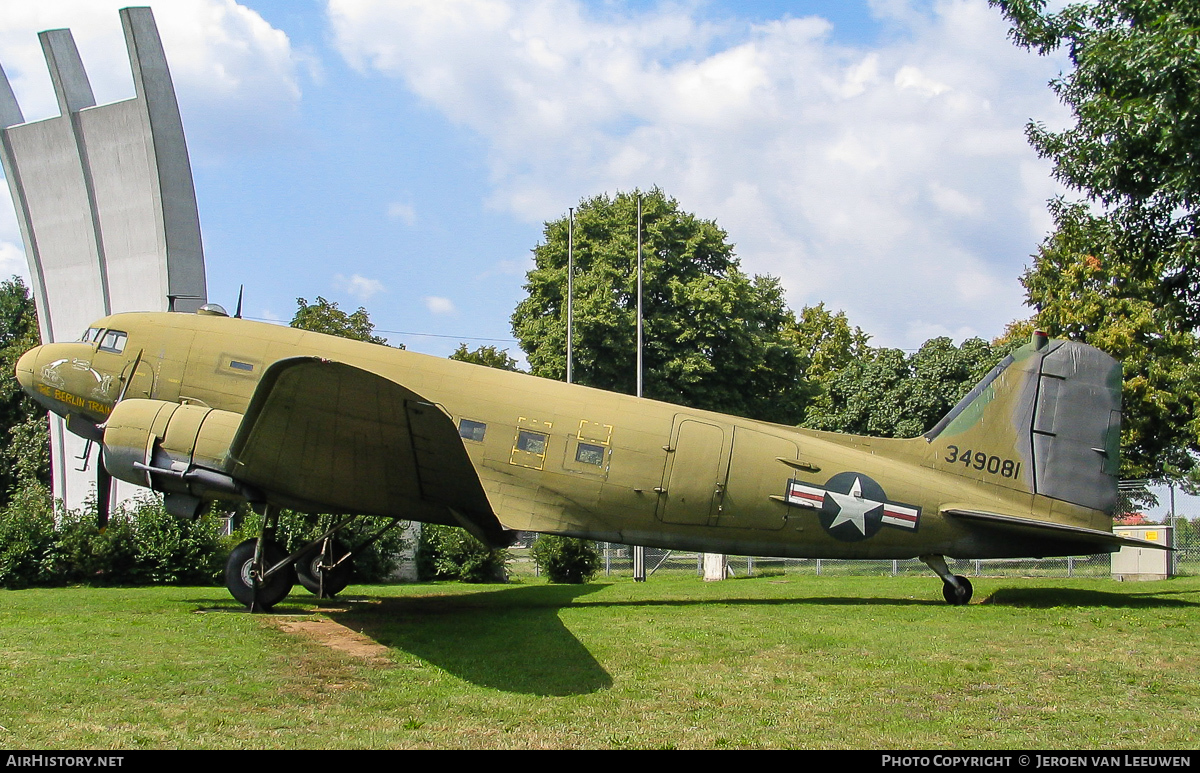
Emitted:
<point x="325" y="317"/>
<point x="142" y="544"/>
<point x="25" y="454"/>
<point x="450" y="553"/>
<point x="1084" y="289"/>
<point x="486" y="355"/>
<point x="566" y="559"/>
<point x="1134" y="93"/>
<point x="170" y="550"/>
<point x="1122" y="272"/>
<point x="27" y="539"/>
<point x="714" y="337"/>
<point x="889" y="394"/>
<point x="827" y="342"/>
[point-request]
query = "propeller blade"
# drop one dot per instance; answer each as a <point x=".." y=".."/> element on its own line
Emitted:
<point x="103" y="492"/>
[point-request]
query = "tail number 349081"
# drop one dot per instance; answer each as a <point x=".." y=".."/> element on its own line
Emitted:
<point x="1005" y="468"/>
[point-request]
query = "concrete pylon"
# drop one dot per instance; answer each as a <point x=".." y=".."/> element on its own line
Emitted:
<point x="106" y="205"/>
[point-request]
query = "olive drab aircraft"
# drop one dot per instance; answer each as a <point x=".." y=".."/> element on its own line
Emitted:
<point x="203" y="407"/>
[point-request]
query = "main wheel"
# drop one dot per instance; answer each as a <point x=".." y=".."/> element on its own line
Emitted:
<point x="960" y="595"/>
<point x="309" y="570"/>
<point x="239" y="575"/>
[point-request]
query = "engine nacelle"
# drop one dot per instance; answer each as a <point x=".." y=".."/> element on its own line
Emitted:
<point x="180" y="450"/>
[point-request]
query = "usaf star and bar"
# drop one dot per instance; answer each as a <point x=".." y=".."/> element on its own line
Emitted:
<point x="852" y="506"/>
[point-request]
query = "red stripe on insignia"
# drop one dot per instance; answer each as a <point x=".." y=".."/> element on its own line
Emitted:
<point x="904" y="514"/>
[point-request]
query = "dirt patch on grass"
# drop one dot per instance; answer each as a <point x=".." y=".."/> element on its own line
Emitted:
<point x="334" y="635"/>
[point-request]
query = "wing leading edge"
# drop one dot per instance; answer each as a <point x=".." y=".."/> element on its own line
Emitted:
<point x="326" y="436"/>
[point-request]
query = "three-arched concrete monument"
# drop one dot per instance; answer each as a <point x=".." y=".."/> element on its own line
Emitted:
<point x="106" y="205"/>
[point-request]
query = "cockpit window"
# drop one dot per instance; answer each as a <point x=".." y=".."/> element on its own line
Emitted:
<point x="113" y="341"/>
<point x="91" y="335"/>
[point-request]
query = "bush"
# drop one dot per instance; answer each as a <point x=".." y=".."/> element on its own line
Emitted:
<point x="27" y="538"/>
<point x="171" y="550"/>
<point x="142" y="543"/>
<point x="566" y="559"/>
<point x="450" y="553"/>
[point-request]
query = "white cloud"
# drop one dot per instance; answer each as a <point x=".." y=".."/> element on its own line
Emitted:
<point x="513" y="267"/>
<point x="12" y="262"/>
<point x="405" y="213"/>
<point x="219" y="52"/>
<point x="360" y="287"/>
<point x="12" y="253"/>
<point x="865" y="178"/>
<point x="438" y="305"/>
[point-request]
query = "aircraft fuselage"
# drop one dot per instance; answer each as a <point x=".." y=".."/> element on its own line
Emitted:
<point x="568" y="459"/>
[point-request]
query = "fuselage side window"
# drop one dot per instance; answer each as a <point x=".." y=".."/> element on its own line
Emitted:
<point x="589" y="453"/>
<point x="531" y="442"/>
<point x="471" y="430"/>
<point x="113" y="341"/>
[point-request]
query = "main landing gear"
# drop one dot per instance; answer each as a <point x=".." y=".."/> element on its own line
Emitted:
<point x="261" y="577"/>
<point x="956" y="589"/>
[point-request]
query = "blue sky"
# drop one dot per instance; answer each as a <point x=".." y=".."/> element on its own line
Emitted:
<point x="403" y="156"/>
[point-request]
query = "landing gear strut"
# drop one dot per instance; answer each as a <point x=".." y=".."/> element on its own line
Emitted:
<point x="262" y="577"/>
<point x="259" y="573"/>
<point x="956" y="589"/>
<point x="324" y="569"/>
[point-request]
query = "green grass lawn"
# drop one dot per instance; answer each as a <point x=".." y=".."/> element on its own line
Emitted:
<point x="809" y="662"/>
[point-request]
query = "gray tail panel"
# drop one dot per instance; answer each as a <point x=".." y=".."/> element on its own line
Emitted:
<point x="1076" y="429"/>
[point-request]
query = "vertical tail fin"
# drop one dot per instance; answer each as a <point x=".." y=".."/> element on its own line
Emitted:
<point x="1046" y="420"/>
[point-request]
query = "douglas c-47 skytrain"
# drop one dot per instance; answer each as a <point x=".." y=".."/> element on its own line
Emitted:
<point x="203" y="407"/>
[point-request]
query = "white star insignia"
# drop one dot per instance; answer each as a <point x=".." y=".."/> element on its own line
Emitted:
<point x="852" y="507"/>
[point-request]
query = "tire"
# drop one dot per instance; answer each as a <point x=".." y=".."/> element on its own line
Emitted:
<point x="240" y="583"/>
<point x="958" y="596"/>
<point x="308" y="571"/>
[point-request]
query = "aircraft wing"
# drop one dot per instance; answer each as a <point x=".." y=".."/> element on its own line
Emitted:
<point x="326" y="436"/>
<point x="1029" y="527"/>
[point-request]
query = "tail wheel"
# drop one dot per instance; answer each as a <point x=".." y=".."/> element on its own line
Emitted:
<point x="957" y="596"/>
<point x="310" y="569"/>
<point x="239" y="575"/>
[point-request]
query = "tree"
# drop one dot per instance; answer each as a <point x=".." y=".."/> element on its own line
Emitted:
<point x="325" y="317"/>
<point x="486" y="355"/>
<point x="26" y="448"/>
<point x="1121" y="270"/>
<point x="889" y="394"/>
<point x="1135" y="146"/>
<point x="1085" y="290"/>
<point x="714" y="337"/>
<point x="826" y="341"/>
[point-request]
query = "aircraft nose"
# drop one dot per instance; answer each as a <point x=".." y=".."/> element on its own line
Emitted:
<point x="25" y="367"/>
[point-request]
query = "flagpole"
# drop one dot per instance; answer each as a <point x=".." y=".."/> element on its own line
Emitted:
<point x="639" y="552"/>
<point x="570" y="285"/>
<point x="639" y="296"/>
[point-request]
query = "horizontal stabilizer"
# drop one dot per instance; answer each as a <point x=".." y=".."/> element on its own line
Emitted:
<point x="1046" y="529"/>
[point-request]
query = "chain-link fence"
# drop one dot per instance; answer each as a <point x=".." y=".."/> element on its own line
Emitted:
<point x="617" y="560"/>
